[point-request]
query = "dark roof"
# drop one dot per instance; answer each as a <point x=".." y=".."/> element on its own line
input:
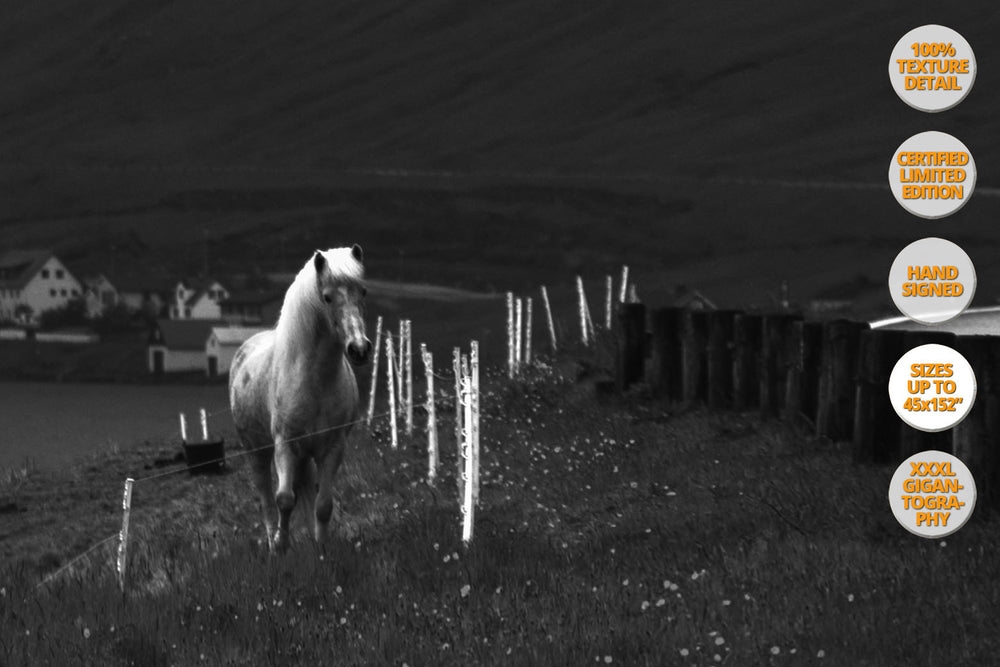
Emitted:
<point x="183" y="334"/>
<point x="18" y="267"/>
<point x="688" y="298"/>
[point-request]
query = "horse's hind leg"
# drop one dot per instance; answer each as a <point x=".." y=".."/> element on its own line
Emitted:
<point x="260" y="470"/>
<point x="327" y="469"/>
<point x="285" y="463"/>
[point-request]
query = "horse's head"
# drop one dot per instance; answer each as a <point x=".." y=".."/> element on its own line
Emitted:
<point x="339" y="281"/>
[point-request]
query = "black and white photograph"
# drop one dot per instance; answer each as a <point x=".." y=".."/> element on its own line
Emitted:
<point x="518" y="333"/>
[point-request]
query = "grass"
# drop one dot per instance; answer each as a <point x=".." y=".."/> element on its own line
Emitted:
<point x="625" y="533"/>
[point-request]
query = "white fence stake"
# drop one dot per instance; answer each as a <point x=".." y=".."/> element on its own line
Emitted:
<point x="527" y="333"/>
<point x="400" y="375"/>
<point x="184" y="428"/>
<point x="204" y="425"/>
<point x="432" y="431"/>
<point x="511" y="357"/>
<point x="456" y="364"/>
<point x="409" y="377"/>
<point x="519" y="327"/>
<point x="582" y="306"/>
<point x="624" y="287"/>
<point x="548" y="317"/>
<point x="590" y="322"/>
<point x="474" y="363"/>
<point x="468" y="500"/>
<point x="391" y="382"/>
<point x="123" y="536"/>
<point x="371" y="392"/>
<point x="609" y="289"/>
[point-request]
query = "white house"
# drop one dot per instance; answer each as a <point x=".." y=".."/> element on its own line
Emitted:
<point x="179" y="345"/>
<point x="100" y="295"/>
<point x="33" y="281"/>
<point x="222" y="345"/>
<point x="197" y="300"/>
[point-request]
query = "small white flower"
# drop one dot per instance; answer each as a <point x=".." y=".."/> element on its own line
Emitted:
<point x="775" y="650"/>
<point x="685" y="653"/>
<point x="821" y="653"/>
<point x="465" y="590"/>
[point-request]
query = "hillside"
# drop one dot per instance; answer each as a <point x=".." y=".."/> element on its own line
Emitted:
<point x="456" y="142"/>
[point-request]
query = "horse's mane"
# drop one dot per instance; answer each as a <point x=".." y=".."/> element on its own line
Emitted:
<point x="302" y="300"/>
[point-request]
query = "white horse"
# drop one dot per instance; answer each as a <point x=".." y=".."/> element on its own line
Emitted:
<point x="293" y="388"/>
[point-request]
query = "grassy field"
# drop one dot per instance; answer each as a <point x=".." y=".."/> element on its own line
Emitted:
<point x="619" y="532"/>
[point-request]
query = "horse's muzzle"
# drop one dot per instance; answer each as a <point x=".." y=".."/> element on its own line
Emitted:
<point x="359" y="353"/>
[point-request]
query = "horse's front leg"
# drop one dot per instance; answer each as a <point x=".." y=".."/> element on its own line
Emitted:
<point x="286" y="462"/>
<point x="327" y="466"/>
<point x="260" y="470"/>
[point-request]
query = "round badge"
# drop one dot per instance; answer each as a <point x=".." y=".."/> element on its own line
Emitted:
<point x="932" y="494"/>
<point x="932" y="387"/>
<point x="932" y="280"/>
<point x="932" y="174"/>
<point x="932" y="68"/>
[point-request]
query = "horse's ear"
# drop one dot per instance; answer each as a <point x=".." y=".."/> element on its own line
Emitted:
<point x="319" y="261"/>
<point x="356" y="252"/>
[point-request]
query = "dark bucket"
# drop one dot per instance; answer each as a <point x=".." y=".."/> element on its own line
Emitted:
<point x="205" y="457"/>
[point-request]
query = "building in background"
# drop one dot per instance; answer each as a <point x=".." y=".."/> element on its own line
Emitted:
<point x="177" y="346"/>
<point x="221" y="347"/>
<point x="100" y="295"/>
<point x="197" y="300"/>
<point x="32" y="282"/>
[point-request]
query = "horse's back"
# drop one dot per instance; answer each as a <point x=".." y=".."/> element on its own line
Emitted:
<point x="248" y="385"/>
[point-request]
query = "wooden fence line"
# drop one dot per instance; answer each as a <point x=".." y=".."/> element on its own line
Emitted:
<point x="832" y="375"/>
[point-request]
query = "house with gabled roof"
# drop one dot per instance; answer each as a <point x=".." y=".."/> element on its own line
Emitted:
<point x="197" y="300"/>
<point x="32" y="282"/>
<point x="685" y="297"/>
<point x="221" y="347"/>
<point x="179" y="345"/>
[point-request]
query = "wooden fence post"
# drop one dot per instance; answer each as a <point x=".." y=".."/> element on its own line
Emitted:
<point x="972" y="439"/>
<point x="838" y="368"/>
<point x="123" y="535"/>
<point x="548" y="319"/>
<point x="746" y="360"/>
<point x="803" y="376"/>
<point x="432" y="434"/>
<point x="630" y="343"/>
<point x="876" y="426"/>
<point x="393" y="386"/>
<point x="720" y="358"/>
<point x="912" y="440"/>
<point x="456" y="366"/>
<point x="665" y="360"/>
<point x="376" y="353"/>
<point x="694" y="346"/>
<point x="776" y="356"/>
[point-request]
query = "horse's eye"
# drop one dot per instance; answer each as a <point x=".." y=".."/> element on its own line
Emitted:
<point x="364" y="292"/>
<point x="327" y="298"/>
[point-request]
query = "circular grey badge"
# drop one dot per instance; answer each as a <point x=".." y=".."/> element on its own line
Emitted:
<point x="932" y="280"/>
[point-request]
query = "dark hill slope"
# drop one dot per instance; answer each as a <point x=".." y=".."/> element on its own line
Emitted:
<point x="112" y="115"/>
